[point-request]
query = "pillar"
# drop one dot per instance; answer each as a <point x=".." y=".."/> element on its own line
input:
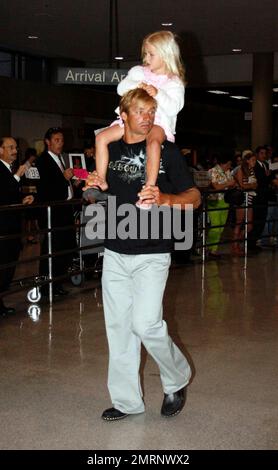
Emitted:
<point x="262" y="99"/>
<point x="5" y="123"/>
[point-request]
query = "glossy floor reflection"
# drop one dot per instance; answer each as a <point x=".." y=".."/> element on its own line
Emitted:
<point x="223" y="315"/>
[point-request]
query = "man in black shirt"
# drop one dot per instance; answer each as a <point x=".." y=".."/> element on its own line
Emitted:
<point x="135" y="268"/>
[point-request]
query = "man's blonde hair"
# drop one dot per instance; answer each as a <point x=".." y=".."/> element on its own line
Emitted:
<point x="138" y="94"/>
<point x="168" y="49"/>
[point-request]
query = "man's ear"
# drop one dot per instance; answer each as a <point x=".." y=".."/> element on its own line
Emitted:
<point x="123" y="116"/>
<point x="1" y="151"/>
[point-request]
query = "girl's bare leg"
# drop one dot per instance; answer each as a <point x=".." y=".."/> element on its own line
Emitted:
<point x="103" y="139"/>
<point x="154" y="141"/>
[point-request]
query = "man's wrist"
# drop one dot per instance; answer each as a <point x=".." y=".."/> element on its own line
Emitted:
<point x="165" y="199"/>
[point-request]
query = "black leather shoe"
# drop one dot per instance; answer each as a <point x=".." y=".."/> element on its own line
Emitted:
<point x="173" y="403"/>
<point x="5" y="311"/>
<point x="112" y="414"/>
<point x="96" y="194"/>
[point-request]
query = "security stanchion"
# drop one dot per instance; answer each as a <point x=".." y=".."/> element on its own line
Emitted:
<point x="49" y="238"/>
<point x="204" y="218"/>
<point x="246" y="224"/>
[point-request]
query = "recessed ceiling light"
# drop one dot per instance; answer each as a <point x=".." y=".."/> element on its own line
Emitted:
<point x="275" y="105"/>
<point x="237" y="50"/>
<point x="275" y="90"/>
<point x="240" y="97"/>
<point x="166" y="24"/>
<point x="119" y="57"/>
<point x="218" y="92"/>
<point x="33" y="37"/>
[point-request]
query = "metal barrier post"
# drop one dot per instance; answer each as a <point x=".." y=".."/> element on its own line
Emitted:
<point x="245" y="223"/>
<point x="204" y="218"/>
<point x="49" y="237"/>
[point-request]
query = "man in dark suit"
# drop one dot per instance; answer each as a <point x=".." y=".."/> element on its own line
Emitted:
<point x="10" y="221"/>
<point x="261" y="200"/>
<point x="54" y="185"/>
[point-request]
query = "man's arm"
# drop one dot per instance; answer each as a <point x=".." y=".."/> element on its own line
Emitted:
<point x="152" y="195"/>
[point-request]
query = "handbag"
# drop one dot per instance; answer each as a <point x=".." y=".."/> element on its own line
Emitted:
<point x="234" y="197"/>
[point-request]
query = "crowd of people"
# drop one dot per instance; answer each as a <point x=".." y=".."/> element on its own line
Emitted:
<point x="253" y="171"/>
<point x="229" y="175"/>
<point x="256" y="172"/>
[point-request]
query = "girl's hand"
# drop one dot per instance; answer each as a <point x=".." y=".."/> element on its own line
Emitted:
<point x="141" y="85"/>
<point x="151" y="90"/>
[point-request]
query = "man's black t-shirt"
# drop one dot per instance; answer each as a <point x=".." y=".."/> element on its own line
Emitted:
<point x="126" y="175"/>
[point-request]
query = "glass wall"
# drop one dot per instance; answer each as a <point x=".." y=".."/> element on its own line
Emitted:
<point x="24" y="67"/>
<point x="5" y="64"/>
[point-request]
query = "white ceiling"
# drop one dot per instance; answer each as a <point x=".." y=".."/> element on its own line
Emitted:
<point x="79" y="29"/>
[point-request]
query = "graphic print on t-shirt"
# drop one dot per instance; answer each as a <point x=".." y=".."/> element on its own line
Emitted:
<point x="132" y="165"/>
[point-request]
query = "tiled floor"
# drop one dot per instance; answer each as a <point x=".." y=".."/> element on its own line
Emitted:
<point x="223" y="315"/>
